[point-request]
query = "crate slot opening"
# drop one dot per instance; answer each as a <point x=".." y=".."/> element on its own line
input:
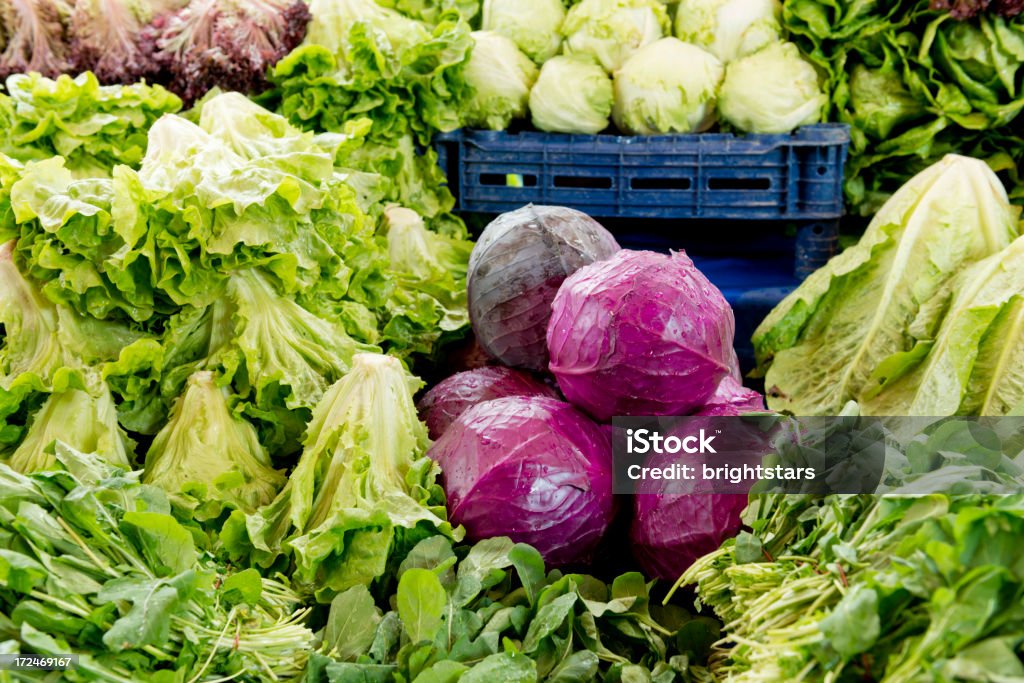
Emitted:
<point x="739" y="183"/>
<point x="661" y="183"/>
<point x="583" y="182"/>
<point x="508" y="180"/>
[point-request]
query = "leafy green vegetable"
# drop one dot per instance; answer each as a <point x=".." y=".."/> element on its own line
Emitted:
<point x="363" y="62"/>
<point x="914" y="85"/>
<point x="95" y="564"/>
<point x="652" y="97"/>
<point x="500" y="76"/>
<point x="773" y="90"/>
<point x="612" y="30"/>
<point x="206" y="453"/>
<point x="496" y="615"/>
<point x="729" y="29"/>
<point x="79" y="412"/>
<point x="844" y="331"/>
<point x="889" y="588"/>
<point x="533" y="25"/>
<point x="362" y="489"/>
<point x="94" y="127"/>
<point x="429" y="269"/>
<point x="969" y="367"/>
<point x="573" y="94"/>
<point x="362" y="59"/>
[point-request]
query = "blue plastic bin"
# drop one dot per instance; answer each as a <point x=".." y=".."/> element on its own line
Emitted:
<point x="796" y="176"/>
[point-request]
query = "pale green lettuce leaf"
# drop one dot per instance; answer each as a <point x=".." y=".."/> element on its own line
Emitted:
<point x="363" y="485"/>
<point x="79" y="412"/>
<point x="821" y="345"/>
<point x="968" y="368"/>
<point x="208" y="456"/>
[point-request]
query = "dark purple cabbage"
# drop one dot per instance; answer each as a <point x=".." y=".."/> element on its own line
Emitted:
<point x="515" y="270"/>
<point x="732" y="398"/>
<point x="440" y="406"/>
<point x="640" y="333"/>
<point x="670" y="531"/>
<point x="531" y="468"/>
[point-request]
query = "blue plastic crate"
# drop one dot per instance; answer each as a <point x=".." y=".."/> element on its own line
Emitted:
<point x="796" y="177"/>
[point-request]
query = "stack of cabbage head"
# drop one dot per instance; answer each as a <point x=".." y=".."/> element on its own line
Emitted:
<point x="618" y="60"/>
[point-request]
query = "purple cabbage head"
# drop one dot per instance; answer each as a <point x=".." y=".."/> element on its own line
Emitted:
<point x="676" y="522"/>
<point x="515" y="270"/>
<point x="670" y="531"/>
<point x="531" y="468"/>
<point x="640" y="333"/>
<point x="440" y="406"/>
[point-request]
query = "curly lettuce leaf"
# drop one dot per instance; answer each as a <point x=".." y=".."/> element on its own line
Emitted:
<point x="363" y="485"/>
<point x="94" y="127"/>
<point x="283" y="345"/>
<point x="430" y="298"/>
<point x="209" y="457"/>
<point x="413" y="86"/>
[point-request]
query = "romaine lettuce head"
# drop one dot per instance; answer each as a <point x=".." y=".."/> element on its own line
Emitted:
<point x="206" y="454"/>
<point x="534" y="25"/>
<point x="667" y="87"/>
<point x="828" y="342"/>
<point x="729" y="29"/>
<point x="612" y="30"/>
<point x="79" y="412"/>
<point x="972" y="364"/>
<point x="773" y="90"/>
<point x="573" y="94"/>
<point x="500" y="77"/>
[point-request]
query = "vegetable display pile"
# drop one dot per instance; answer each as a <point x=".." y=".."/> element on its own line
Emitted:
<point x="210" y="319"/>
<point x="228" y="255"/>
<point x="915" y="84"/>
<point x="610" y="62"/>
